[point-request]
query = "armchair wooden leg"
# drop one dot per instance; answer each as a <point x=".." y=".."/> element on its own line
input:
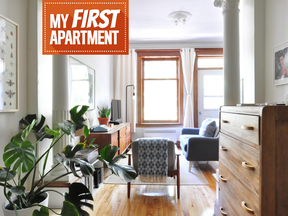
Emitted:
<point x="178" y="177"/>
<point x="128" y="190"/>
<point x="129" y="184"/>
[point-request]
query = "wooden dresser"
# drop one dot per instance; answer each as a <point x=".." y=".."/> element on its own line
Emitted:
<point x="119" y="135"/>
<point x="253" y="161"/>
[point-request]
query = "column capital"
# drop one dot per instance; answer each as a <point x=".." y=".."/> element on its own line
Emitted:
<point x="226" y="4"/>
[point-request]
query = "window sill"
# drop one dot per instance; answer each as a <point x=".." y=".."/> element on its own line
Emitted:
<point x="143" y="125"/>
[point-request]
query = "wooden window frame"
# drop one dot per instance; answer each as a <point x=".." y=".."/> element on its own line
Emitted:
<point x="153" y="55"/>
<point x="202" y="53"/>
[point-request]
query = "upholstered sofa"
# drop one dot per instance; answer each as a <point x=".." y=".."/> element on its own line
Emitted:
<point x="201" y="144"/>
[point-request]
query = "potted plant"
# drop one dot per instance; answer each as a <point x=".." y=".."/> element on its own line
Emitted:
<point x="104" y="114"/>
<point x="21" y="164"/>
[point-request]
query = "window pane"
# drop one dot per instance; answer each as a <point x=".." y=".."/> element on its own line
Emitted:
<point x="79" y="72"/>
<point x="210" y="63"/>
<point x="80" y="92"/>
<point x="160" y="100"/>
<point x="213" y="85"/>
<point x="213" y="102"/>
<point x="160" y="69"/>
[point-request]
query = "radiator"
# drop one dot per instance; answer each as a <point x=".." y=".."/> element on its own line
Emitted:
<point x="171" y="134"/>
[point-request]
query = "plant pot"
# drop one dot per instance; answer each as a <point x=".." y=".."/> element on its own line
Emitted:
<point x="103" y="121"/>
<point x="24" y="212"/>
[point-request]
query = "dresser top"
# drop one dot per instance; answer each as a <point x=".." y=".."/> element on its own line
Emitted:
<point x="251" y="110"/>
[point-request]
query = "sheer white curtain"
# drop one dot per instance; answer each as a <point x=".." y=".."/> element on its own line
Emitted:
<point x="126" y="75"/>
<point x="188" y="59"/>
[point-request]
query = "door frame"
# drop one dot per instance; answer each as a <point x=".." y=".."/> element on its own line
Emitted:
<point x="202" y="53"/>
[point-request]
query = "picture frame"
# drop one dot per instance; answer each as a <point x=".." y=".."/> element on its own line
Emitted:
<point x="82" y="85"/>
<point x="9" y="65"/>
<point x="280" y="74"/>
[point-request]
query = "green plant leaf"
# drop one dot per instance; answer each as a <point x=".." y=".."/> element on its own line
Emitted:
<point x="78" y="117"/>
<point x="77" y="193"/>
<point x="86" y="131"/>
<point x="108" y="152"/>
<point x="42" y="212"/>
<point x="69" y="151"/>
<point x="3" y="174"/>
<point x="68" y="127"/>
<point x="104" y="112"/>
<point x="91" y="141"/>
<point x="68" y="209"/>
<point x="70" y="163"/>
<point x="18" y="190"/>
<point x="19" y="155"/>
<point x="125" y="172"/>
<point x="55" y="133"/>
<point x="27" y="130"/>
<point x="17" y="138"/>
<point x="37" y="129"/>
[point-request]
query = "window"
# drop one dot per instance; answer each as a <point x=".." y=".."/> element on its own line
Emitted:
<point x="210" y="62"/>
<point x="213" y="91"/>
<point x="159" y="87"/>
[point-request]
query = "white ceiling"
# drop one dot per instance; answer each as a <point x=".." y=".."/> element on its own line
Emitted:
<point x="149" y="22"/>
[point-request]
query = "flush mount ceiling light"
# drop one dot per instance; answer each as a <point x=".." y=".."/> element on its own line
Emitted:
<point x="179" y="16"/>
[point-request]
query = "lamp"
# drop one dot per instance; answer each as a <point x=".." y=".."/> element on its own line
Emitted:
<point x="180" y="16"/>
<point x="132" y="97"/>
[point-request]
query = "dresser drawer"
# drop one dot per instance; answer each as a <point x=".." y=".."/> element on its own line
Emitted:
<point x="241" y="159"/>
<point x="242" y="127"/>
<point x="240" y="198"/>
<point x="224" y="207"/>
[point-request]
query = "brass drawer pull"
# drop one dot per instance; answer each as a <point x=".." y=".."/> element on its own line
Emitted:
<point x="225" y="121"/>
<point x="246" y="127"/>
<point x="247" y="166"/>
<point x="223" y="148"/>
<point x="222" y="178"/>
<point x="222" y="212"/>
<point x="244" y="206"/>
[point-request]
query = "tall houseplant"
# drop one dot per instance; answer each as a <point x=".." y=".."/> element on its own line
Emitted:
<point x="21" y="162"/>
<point x="104" y="114"/>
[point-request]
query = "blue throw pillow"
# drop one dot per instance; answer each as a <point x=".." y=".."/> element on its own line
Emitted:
<point x="208" y="128"/>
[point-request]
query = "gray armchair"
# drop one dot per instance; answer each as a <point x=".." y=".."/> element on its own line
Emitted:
<point x="199" y="148"/>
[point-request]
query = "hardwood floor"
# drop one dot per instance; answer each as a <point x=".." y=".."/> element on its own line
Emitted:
<point x="111" y="200"/>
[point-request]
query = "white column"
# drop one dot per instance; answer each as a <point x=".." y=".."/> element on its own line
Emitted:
<point x="60" y="105"/>
<point x="231" y="50"/>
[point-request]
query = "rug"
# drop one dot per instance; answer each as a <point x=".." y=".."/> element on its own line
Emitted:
<point x="194" y="177"/>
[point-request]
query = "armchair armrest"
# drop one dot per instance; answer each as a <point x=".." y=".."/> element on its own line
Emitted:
<point x="203" y="149"/>
<point x="190" y="131"/>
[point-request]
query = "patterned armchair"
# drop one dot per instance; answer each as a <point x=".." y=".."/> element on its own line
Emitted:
<point x="173" y="162"/>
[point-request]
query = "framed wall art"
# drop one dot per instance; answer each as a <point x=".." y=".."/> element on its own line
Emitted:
<point x="9" y="83"/>
<point x="82" y="84"/>
<point x="280" y="73"/>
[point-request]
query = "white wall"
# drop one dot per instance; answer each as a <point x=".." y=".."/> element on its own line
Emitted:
<point x="276" y="33"/>
<point x="15" y="10"/>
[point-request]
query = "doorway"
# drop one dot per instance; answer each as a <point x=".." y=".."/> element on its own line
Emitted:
<point x="210" y="93"/>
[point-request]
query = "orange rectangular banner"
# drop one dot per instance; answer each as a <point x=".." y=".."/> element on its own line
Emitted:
<point x="85" y="27"/>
